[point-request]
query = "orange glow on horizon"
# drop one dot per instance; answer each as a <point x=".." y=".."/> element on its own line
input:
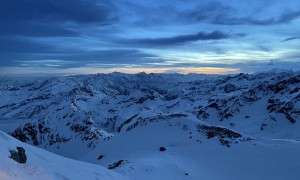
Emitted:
<point x="181" y="70"/>
<point x="19" y="71"/>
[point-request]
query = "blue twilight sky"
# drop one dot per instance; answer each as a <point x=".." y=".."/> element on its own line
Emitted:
<point x="39" y="37"/>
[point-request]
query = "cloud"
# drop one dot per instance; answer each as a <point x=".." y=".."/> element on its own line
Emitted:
<point x="36" y="30"/>
<point x="52" y="18"/>
<point x="14" y="49"/>
<point x="76" y="11"/>
<point x="290" y="38"/>
<point x="206" y="11"/>
<point x="24" y="45"/>
<point x="105" y="56"/>
<point x="181" y="39"/>
<point x="258" y="66"/>
<point x="220" y="14"/>
<point x="288" y="17"/>
<point x="106" y="33"/>
<point x="31" y="54"/>
<point x="283" y="18"/>
<point x="246" y="67"/>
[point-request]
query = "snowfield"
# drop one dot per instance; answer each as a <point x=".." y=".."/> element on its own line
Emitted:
<point x="42" y="164"/>
<point x="152" y="126"/>
<point x="191" y="155"/>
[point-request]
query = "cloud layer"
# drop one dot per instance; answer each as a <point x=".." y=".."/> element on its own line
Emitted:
<point x="71" y="35"/>
<point x="180" y="39"/>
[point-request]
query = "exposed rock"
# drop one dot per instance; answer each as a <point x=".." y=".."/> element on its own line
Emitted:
<point x="19" y="155"/>
<point x="225" y="136"/>
<point x="162" y="149"/>
<point x="117" y="164"/>
<point x="100" y="156"/>
<point x="228" y="88"/>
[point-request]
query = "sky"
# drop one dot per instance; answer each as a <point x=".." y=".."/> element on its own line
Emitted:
<point x="64" y="37"/>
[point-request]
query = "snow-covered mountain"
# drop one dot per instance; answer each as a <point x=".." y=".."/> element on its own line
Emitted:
<point x="210" y="126"/>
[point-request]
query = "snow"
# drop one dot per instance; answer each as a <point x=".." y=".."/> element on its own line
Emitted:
<point x="257" y="159"/>
<point x="127" y="118"/>
<point x="44" y="165"/>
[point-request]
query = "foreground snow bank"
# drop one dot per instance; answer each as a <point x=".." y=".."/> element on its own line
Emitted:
<point x="45" y="165"/>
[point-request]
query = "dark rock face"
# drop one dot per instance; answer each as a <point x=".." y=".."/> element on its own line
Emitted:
<point x="282" y="85"/>
<point x="30" y="130"/>
<point x="212" y="131"/>
<point x="117" y="164"/>
<point x="225" y="109"/>
<point x="127" y="122"/>
<point x="141" y="122"/>
<point x="19" y="155"/>
<point x="100" y="157"/>
<point x="225" y="136"/>
<point x="286" y="108"/>
<point x="37" y="133"/>
<point x="162" y="149"/>
<point x="228" y="88"/>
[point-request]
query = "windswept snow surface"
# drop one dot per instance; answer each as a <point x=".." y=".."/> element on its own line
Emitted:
<point x="191" y="155"/>
<point x="44" y="165"/>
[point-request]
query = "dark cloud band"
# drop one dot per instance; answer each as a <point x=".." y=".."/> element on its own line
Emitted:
<point x="290" y="39"/>
<point x="179" y="40"/>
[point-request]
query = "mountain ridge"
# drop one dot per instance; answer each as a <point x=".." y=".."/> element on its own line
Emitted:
<point x="100" y="115"/>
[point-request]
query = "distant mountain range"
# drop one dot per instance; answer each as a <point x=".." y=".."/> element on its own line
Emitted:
<point x="204" y="123"/>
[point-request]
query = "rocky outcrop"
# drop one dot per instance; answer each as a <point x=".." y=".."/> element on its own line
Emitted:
<point x="19" y="155"/>
<point x="225" y="136"/>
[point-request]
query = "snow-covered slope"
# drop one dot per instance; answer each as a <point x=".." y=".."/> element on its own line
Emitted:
<point x="195" y="150"/>
<point x="45" y="165"/>
<point x="245" y="124"/>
